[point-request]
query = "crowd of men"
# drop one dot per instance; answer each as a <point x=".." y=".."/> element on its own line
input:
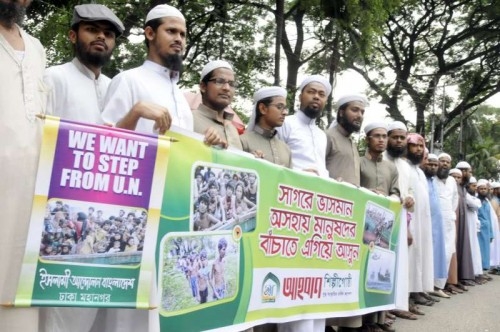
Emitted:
<point x="451" y="222"/>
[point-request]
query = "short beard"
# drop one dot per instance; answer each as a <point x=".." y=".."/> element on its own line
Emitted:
<point x="349" y="127"/>
<point x="11" y="13"/>
<point x="413" y="158"/>
<point x="312" y="113"/>
<point x="395" y="152"/>
<point x="173" y="62"/>
<point x="88" y="58"/>
<point x="443" y="173"/>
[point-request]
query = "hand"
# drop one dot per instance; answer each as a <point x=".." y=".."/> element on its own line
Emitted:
<point x="409" y="238"/>
<point x="258" y="154"/>
<point x="155" y="112"/>
<point x="408" y="202"/>
<point x="213" y="138"/>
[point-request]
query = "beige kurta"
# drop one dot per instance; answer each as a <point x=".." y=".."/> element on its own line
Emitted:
<point x="342" y="157"/>
<point x="205" y="118"/>
<point x="266" y="141"/>
<point x="22" y="95"/>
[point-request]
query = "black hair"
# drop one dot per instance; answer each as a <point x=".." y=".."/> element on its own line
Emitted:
<point x="266" y="101"/>
<point x="154" y="24"/>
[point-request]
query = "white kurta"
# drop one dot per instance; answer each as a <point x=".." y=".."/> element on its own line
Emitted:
<point x="148" y="83"/>
<point x="420" y="256"/>
<point x="22" y="95"/>
<point x="473" y="204"/>
<point x="75" y="93"/>
<point x="495" y="245"/>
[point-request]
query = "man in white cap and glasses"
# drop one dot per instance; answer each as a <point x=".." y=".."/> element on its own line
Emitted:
<point x="305" y="139"/>
<point x="342" y="157"/>
<point x="147" y="98"/>
<point x="217" y="87"/>
<point x="78" y="88"/>
<point x="448" y="201"/>
<point x="22" y="96"/>
<point x="268" y="113"/>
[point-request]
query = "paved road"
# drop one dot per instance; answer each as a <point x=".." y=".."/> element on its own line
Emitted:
<point x="477" y="310"/>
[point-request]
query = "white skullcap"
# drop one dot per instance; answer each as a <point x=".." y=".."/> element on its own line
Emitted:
<point x="319" y="79"/>
<point x="444" y="155"/>
<point x="482" y="182"/>
<point x="455" y="171"/>
<point x="397" y="125"/>
<point x="472" y="180"/>
<point x="373" y="125"/>
<point x="212" y="65"/>
<point x="164" y="11"/>
<point x="354" y="97"/>
<point x="262" y="93"/>
<point x="495" y="185"/>
<point x="432" y="156"/>
<point x="463" y="165"/>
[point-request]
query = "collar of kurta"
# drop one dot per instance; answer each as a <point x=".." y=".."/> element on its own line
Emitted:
<point x="379" y="158"/>
<point x="304" y="118"/>
<point x="84" y="70"/>
<point x="265" y="132"/>
<point x="341" y="130"/>
<point x="174" y="75"/>
<point x="215" y="115"/>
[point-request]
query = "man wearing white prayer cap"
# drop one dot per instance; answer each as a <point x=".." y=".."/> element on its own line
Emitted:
<point x="217" y="87"/>
<point x="147" y="98"/>
<point x="342" y="157"/>
<point x="448" y="199"/>
<point x="268" y="113"/>
<point x="305" y="139"/>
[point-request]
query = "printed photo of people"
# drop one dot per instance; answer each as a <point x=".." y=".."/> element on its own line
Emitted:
<point x="223" y="198"/>
<point x="92" y="233"/>
<point x="380" y="270"/>
<point x="198" y="269"/>
<point x="378" y="225"/>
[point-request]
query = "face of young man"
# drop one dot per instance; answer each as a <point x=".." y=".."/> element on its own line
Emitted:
<point x="415" y="153"/>
<point x="94" y="42"/>
<point x="167" y="43"/>
<point x="215" y="95"/>
<point x="313" y="99"/>
<point x="351" y="117"/>
<point x="377" y="140"/>
<point x="396" y="143"/>
<point x="431" y="167"/>
<point x="273" y="115"/>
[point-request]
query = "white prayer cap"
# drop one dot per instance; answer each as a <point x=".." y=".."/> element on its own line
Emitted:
<point x="472" y="180"/>
<point x="455" y="171"/>
<point x="262" y="93"/>
<point x="397" y="125"/>
<point x="318" y="79"/>
<point x="354" y="97"/>
<point x="482" y="182"/>
<point x="444" y="155"/>
<point x="432" y="156"/>
<point x="164" y="11"/>
<point x="374" y="125"/>
<point x="463" y="165"/>
<point x="212" y="65"/>
<point x="495" y="185"/>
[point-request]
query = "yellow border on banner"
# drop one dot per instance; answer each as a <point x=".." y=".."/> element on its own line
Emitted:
<point x="47" y="152"/>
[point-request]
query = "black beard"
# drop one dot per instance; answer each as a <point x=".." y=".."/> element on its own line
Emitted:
<point x="11" y="13"/>
<point x="413" y="158"/>
<point x="349" y="127"/>
<point x="173" y="62"/>
<point x="481" y="197"/>
<point x="428" y="173"/>
<point x="395" y="152"/>
<point x="88" y="58"/>
<point x="312" y="113"/>
<point x="443" y="173"/>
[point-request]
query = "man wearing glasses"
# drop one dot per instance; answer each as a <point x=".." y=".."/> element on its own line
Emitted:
<point x="217" y="85"/>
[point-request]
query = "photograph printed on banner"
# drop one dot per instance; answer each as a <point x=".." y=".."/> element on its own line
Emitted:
<point x="92" y="233"/>
<point x="380" y="270"/>
<point x="222" y="198"/>
<point x="378" y="225"/>
<point x="198" y="269"/>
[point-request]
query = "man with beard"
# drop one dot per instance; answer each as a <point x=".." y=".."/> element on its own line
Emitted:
<point x="485" y="235"/>
<point x="306" y="141"/>
<point x="78" y="87"/>
<point x="438" y="240"/>
<point x="448" y="200"/>
<point x="217" y="87"/>
<point x="495" y="216"/>
<point x="420" y="262"/>
<point x="147" y="98"/>
<point x="465" y="266"/>
<point x="22" y="62"/>
<point x="342" y="158"/>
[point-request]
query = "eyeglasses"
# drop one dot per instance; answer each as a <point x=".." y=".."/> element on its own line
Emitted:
<point x="378" y="136"/>
<point x="280" y="107"/>
<point x="220" y="82"/>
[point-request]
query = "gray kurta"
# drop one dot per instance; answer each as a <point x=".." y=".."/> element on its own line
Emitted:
<point x="274" y="149"/>
<point x="342" y="158"/>
<point x="379" y="174"/>
<point x="205" y="118"/>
